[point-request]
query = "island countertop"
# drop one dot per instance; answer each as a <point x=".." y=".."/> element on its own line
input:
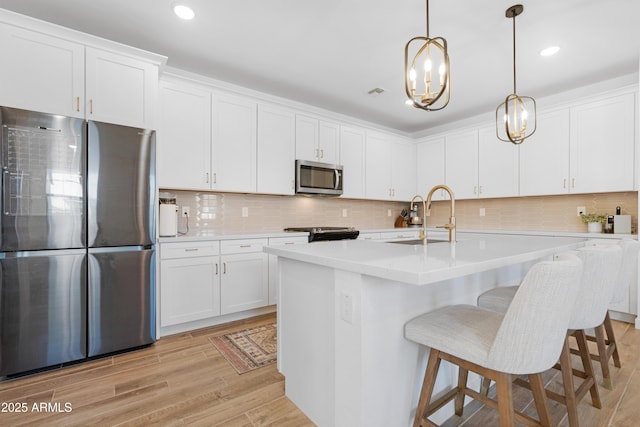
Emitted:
<point x="422" y="265"/>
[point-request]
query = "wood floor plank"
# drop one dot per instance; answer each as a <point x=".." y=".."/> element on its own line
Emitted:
<point x="183" y="380"/>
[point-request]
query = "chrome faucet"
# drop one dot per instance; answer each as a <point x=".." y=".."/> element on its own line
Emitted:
<point x="423" y="230"/>
<point x="451" y="225"/>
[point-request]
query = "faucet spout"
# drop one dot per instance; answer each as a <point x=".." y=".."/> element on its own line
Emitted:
<point x="451" y="225"/>
<point x="423" y="230"/>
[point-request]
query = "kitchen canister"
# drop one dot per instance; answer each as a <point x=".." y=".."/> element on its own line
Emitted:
<point x="168" y="226"/>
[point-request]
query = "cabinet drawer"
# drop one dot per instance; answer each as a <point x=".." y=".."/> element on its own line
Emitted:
<point x="397" y="235"/>
<point x="368" y="236"/>
<point x="188" y="249"/>
<point x="288" y="240"/>
<point x="242" y="246"/>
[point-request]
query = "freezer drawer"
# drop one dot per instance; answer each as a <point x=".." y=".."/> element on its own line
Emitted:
<point x="42" y="309"/>
<point x="121" y="299"/>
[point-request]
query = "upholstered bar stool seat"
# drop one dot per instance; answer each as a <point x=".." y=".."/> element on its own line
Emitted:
<point x="499" y="345"/>
<point x="589" y="310"/>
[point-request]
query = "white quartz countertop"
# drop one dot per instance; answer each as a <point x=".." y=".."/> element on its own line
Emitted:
<point x="421" y="265"/>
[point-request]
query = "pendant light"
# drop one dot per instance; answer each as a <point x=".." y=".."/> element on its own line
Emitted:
<point x="516" y="116"/>
<point x="431" y="54"/>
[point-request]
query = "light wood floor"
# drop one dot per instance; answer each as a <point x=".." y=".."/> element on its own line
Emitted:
<point x="183" y="380"/>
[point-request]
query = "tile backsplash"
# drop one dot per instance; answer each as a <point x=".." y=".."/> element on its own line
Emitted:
<point x="223" y="212"/>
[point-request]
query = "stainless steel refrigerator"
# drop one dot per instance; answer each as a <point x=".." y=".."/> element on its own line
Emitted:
<point x="77" y="263"/>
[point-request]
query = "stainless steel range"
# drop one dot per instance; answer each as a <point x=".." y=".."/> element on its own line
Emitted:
<point x="318" y="234"/>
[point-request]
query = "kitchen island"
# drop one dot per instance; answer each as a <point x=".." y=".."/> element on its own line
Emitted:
<point x="342" y="307"/>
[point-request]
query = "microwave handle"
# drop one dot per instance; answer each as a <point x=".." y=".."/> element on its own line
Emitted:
<point x="337" y="172"/>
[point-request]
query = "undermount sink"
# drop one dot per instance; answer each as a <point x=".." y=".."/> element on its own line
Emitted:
<point x="416" y="241"/>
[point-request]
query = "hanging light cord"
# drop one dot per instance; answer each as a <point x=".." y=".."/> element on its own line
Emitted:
<point x="514" y="50"/>
<point x="427" y="18"/>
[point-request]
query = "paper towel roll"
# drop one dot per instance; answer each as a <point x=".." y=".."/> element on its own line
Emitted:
<point x="168" y="220"/>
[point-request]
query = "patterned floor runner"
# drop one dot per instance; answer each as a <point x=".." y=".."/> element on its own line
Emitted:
<point x="249" y="349"/>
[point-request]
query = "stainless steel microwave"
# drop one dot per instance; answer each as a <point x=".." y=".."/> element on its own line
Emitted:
<point x="318" y="178"/>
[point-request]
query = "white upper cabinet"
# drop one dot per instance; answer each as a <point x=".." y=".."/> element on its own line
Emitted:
<point x="317" y="140"/>
<point x="544" y="156"/>
<point x="352" y="149"/>
<point x="430" y="167"/>
<point x="120" y="89"/>
<point x="390" y="168"/>
<point x="497" y="165"/>
<point x="602" y="145"/>
<point x="378" y="167"/>
<point x="403" y="170"/>
<point x="57" y="76"/>
<point x="461" y="164"/>
<point x="234" y="143"/>
<point x="276" y="150"/>
<point x="184" y="137"/>
<point x="41" y="73"/>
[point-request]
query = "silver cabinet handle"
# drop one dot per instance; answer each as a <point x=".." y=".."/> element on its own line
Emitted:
<point x="564" y="183"/>
<point x="206" y="177"/>
<point x="224" y="268"/>
<point x="91" y="106"/>
<point x="191" y="250"/>
<point x="481" y="189"/>
<point x="77" y="103"/>
<point x="216" y="268"/>
<point x="322" y="153"/>
<point x="573" y="183"/>
<point x="245" y="246"/>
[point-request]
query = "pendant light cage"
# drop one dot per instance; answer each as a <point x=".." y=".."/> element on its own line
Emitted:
<point x="516" y="116"/>
<point x="427" y="71"/>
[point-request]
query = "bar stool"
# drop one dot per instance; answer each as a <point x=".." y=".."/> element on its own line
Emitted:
<point x="496" y="345"/>
<point x="604" y="335"/>
<point x="590" y="306"/>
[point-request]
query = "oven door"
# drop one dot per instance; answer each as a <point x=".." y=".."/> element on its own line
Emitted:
<point x="318" y="178"/>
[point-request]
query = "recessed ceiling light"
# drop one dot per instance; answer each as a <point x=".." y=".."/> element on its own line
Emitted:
<point x="551" y="50"/>
<point x="184" y="12"/>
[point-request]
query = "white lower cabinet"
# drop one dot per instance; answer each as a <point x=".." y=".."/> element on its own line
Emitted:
<point x="273" y="263"/>
<point x="203" y="280"/>
<point x="189" y="282"/>
<point x="244" y="280"/>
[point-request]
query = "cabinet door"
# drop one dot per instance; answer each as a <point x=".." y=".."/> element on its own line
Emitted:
<point x="329" y="142"/>
<point x="544" y="157"/>
<point x="244" y="283"/>
<point x="120" y="90"/>
<point x="497" y="165"/>
<point x="276" y="150"/>
<point x="307" y="138"/>
<point x="430" y="167"/>
<point x="352" y="148"/>
<point x="602" y="145"/>
<point x="461" y="164"/>
<point x="189" y="289"/>
<point x="41" y="73"/>
<point x="184" y="137"/>
<point x="378" y="167"/>
<point x="403" y="170"/>
<point x="234" y="144"/>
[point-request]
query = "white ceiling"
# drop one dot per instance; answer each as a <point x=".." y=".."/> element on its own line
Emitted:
<point x="330" y="53"/>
